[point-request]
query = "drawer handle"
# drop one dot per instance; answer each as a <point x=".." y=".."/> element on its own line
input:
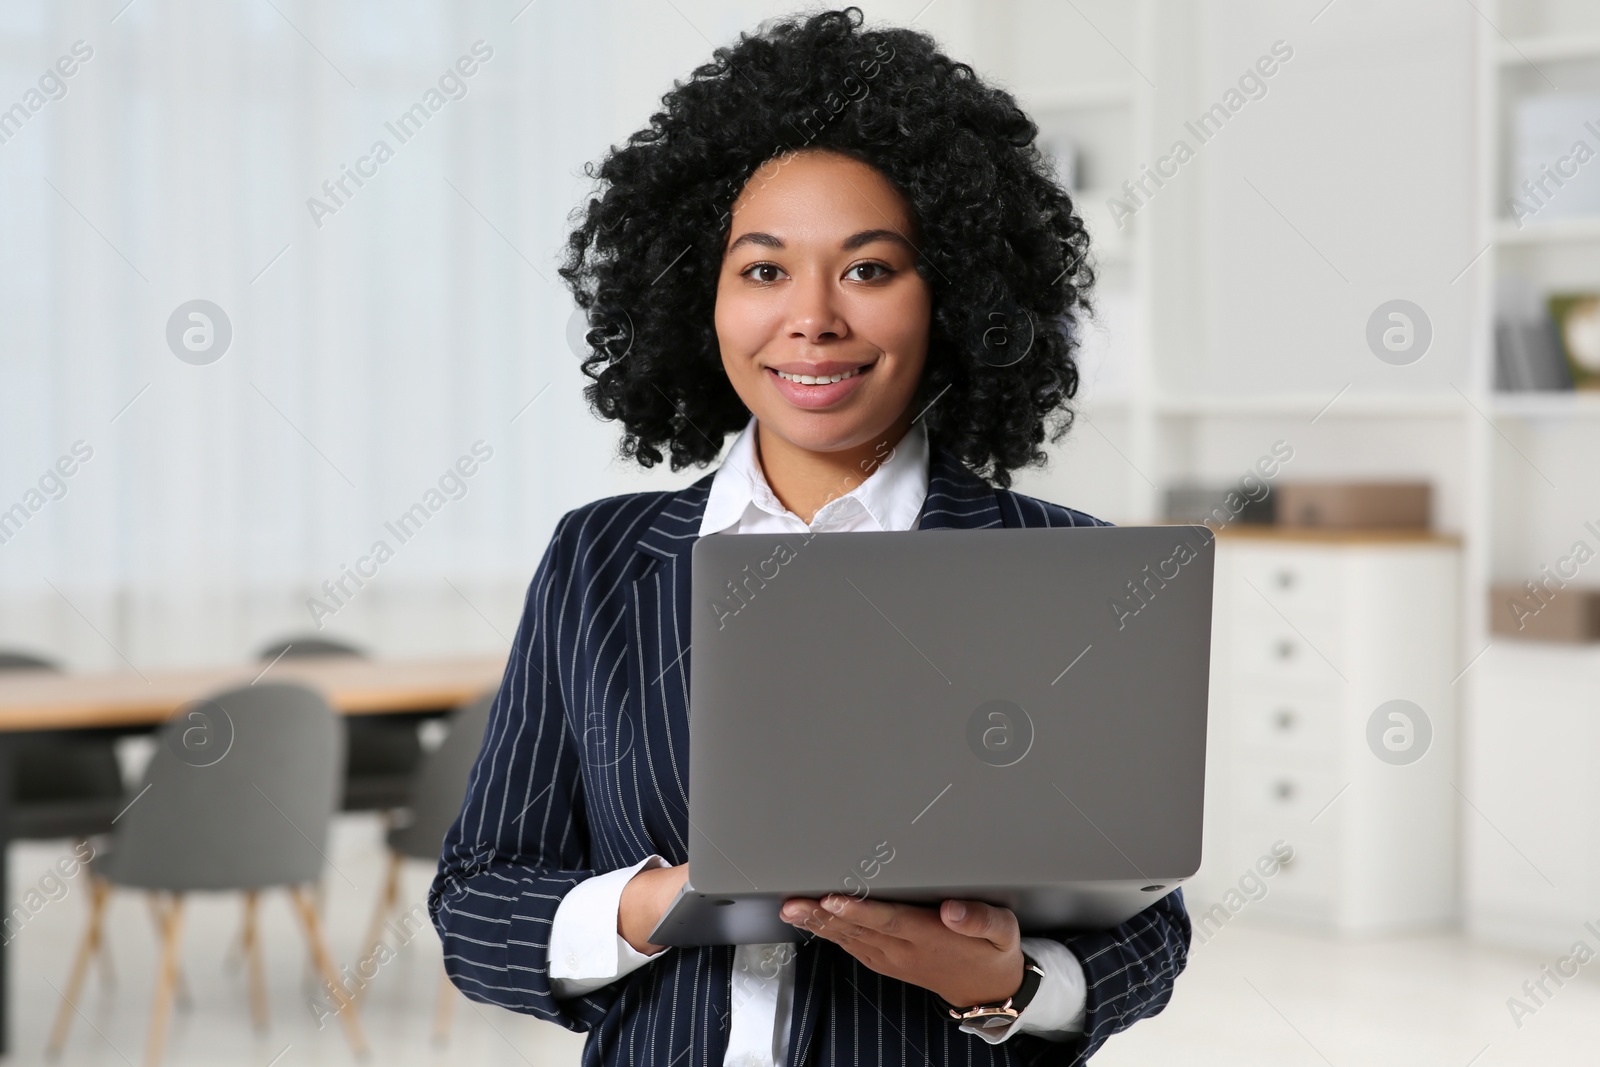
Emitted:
<point x="1283" y="790"/>
<point x="1284" y="648"/>
<point x="1284" y="719"/>
<point x="1285" y="579"/>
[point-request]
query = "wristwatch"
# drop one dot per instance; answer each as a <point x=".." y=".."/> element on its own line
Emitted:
<point x="996" y="1016"/>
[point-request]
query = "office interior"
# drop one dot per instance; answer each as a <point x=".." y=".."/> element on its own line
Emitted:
<point x="1348" y="315"/>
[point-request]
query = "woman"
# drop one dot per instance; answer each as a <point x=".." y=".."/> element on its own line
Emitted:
<point x="841" y="246"/>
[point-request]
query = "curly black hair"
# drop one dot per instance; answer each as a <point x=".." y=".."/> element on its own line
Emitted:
<point x="1001" y="247"/>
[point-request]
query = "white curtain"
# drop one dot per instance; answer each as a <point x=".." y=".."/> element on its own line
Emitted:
<point x="372" y="348"/>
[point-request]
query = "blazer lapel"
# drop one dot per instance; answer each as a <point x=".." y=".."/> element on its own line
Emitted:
<point x="957" y="498"/>
<point x="656" y="615"/>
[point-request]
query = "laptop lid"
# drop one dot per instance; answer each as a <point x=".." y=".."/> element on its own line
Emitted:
<point x="888" y="712"/>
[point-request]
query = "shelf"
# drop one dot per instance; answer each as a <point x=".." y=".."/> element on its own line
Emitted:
<point x="1315" y="405"/>
<point x="1547" y="405"/>
<point x="1077" y="97"/>
<point x="1579" y="228"/>
<point x="1551" y="47"/>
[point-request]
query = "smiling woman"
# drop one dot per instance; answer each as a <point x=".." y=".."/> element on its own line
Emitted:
<point x="886" y="317"/>
<point x="977" y="229"/>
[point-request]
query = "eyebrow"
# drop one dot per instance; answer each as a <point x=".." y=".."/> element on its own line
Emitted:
<point x="849" y="244"/>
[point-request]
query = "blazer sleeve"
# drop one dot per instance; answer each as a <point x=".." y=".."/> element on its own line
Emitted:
<point x="1128" y="974"/>
<point x="521" y="841"/>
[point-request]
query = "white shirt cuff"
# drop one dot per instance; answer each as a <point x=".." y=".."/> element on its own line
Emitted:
<point x="586" y="952"/>
<point x="1056" y="1012"/>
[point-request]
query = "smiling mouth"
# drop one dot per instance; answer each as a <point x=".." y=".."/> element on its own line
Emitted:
<point x="825" y="379"/>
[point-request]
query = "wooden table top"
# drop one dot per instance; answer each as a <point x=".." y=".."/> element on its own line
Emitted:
<point x="45" y="700"/>
<point x="1399" y="535"/>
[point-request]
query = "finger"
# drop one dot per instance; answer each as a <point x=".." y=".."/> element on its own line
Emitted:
<point x="864" y="948"/>
<point x="977" y="919"/>
<point x="891" y="920"/>
<point x="831" y="928"/>
<point x="797" y="909"/>
<point x="811" y="915"/>
<point x="806" y="914"/>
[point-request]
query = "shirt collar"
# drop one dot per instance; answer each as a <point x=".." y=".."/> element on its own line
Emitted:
<point x="892" y="494"/>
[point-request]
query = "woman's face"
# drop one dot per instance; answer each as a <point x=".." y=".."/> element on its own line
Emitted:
<point x="819" y="280"/>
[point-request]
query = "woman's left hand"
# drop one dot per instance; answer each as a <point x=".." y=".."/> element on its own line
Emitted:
<point x="965" y="951"/>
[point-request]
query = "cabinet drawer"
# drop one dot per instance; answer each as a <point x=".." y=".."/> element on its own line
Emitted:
<point x="1298" y="582"/>
<point x="1287" y="722"/>
<point x="1283" y="797"/>
<point x="1266" y="646"/>
<point x="1276" y="803"/>
<point x="1307" y="885"/>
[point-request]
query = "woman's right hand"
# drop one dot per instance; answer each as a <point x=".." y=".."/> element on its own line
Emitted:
<point x="645" y="900"/>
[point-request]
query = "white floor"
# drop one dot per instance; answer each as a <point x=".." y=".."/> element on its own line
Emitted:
<point x="1252" y="995"/>
<point x="1257" y="995"/>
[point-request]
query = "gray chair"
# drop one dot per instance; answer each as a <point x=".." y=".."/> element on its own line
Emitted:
<point x="382" y="751"/>
<point x="441" y="785"/>
<point x="66" y="783"/>
<point x="237" y="798"/>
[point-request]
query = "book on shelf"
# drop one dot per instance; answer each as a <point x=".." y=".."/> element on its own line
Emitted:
<point x="1528" y="356"/>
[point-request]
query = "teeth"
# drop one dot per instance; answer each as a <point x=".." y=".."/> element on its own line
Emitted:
<point x="807" y="379"/>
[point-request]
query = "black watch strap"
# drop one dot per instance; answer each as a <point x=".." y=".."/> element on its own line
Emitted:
<point x="1004" y="1013"/>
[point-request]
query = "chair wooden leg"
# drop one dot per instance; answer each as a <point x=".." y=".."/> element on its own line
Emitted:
<point x="388" y="896"/>
<point x="319" y="898"/>
<point x="158" y="914"/>
<point x="102" y="956"/>
<point x="236" y="956"/>
<point x="444" y="1007"/>
<point x="99" y="894"/>
<point x="166" y="980"/>
<point x="108" y="973"/>
<point x="252" y="952"/>
<point x="319" y="954"/>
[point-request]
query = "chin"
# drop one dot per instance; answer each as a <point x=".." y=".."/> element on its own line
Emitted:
<point x="825" y="431"/>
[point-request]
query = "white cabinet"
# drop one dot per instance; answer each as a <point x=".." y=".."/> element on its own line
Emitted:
<point x="1531" y="869"/>
<point x="1313" y="635"/>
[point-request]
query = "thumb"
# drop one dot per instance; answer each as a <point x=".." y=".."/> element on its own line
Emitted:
<point x="977" y="919"/>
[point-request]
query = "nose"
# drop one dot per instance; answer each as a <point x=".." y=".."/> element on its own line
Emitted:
<point x="814" y="312"/>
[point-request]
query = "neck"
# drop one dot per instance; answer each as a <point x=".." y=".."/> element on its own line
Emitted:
<point x="803" y="481"/>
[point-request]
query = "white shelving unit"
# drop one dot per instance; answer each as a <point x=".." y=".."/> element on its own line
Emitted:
<point x="1529" y="835"/>
<point x="1514" y="473"/>
<point x="1089" y="92"/>
<point x="1553" y="47"/>
<point x="1555" y="231"/>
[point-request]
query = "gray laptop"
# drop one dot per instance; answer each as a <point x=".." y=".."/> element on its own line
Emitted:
<point x="1009" y="715"/>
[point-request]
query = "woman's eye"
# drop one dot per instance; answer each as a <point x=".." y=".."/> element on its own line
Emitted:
<point x="879" y="268"/>
<point x="759" y="272"/>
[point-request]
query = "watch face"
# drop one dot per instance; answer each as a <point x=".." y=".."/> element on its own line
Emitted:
<point x="990" y="1022"/>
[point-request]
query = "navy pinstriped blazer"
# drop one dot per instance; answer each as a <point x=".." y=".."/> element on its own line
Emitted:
<point x="584" y="769"/>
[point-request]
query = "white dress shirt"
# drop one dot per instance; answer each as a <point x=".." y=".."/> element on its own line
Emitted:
<point x="586" y="952"/>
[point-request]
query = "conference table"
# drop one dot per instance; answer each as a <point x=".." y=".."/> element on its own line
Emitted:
<point x="127" y="702"/>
